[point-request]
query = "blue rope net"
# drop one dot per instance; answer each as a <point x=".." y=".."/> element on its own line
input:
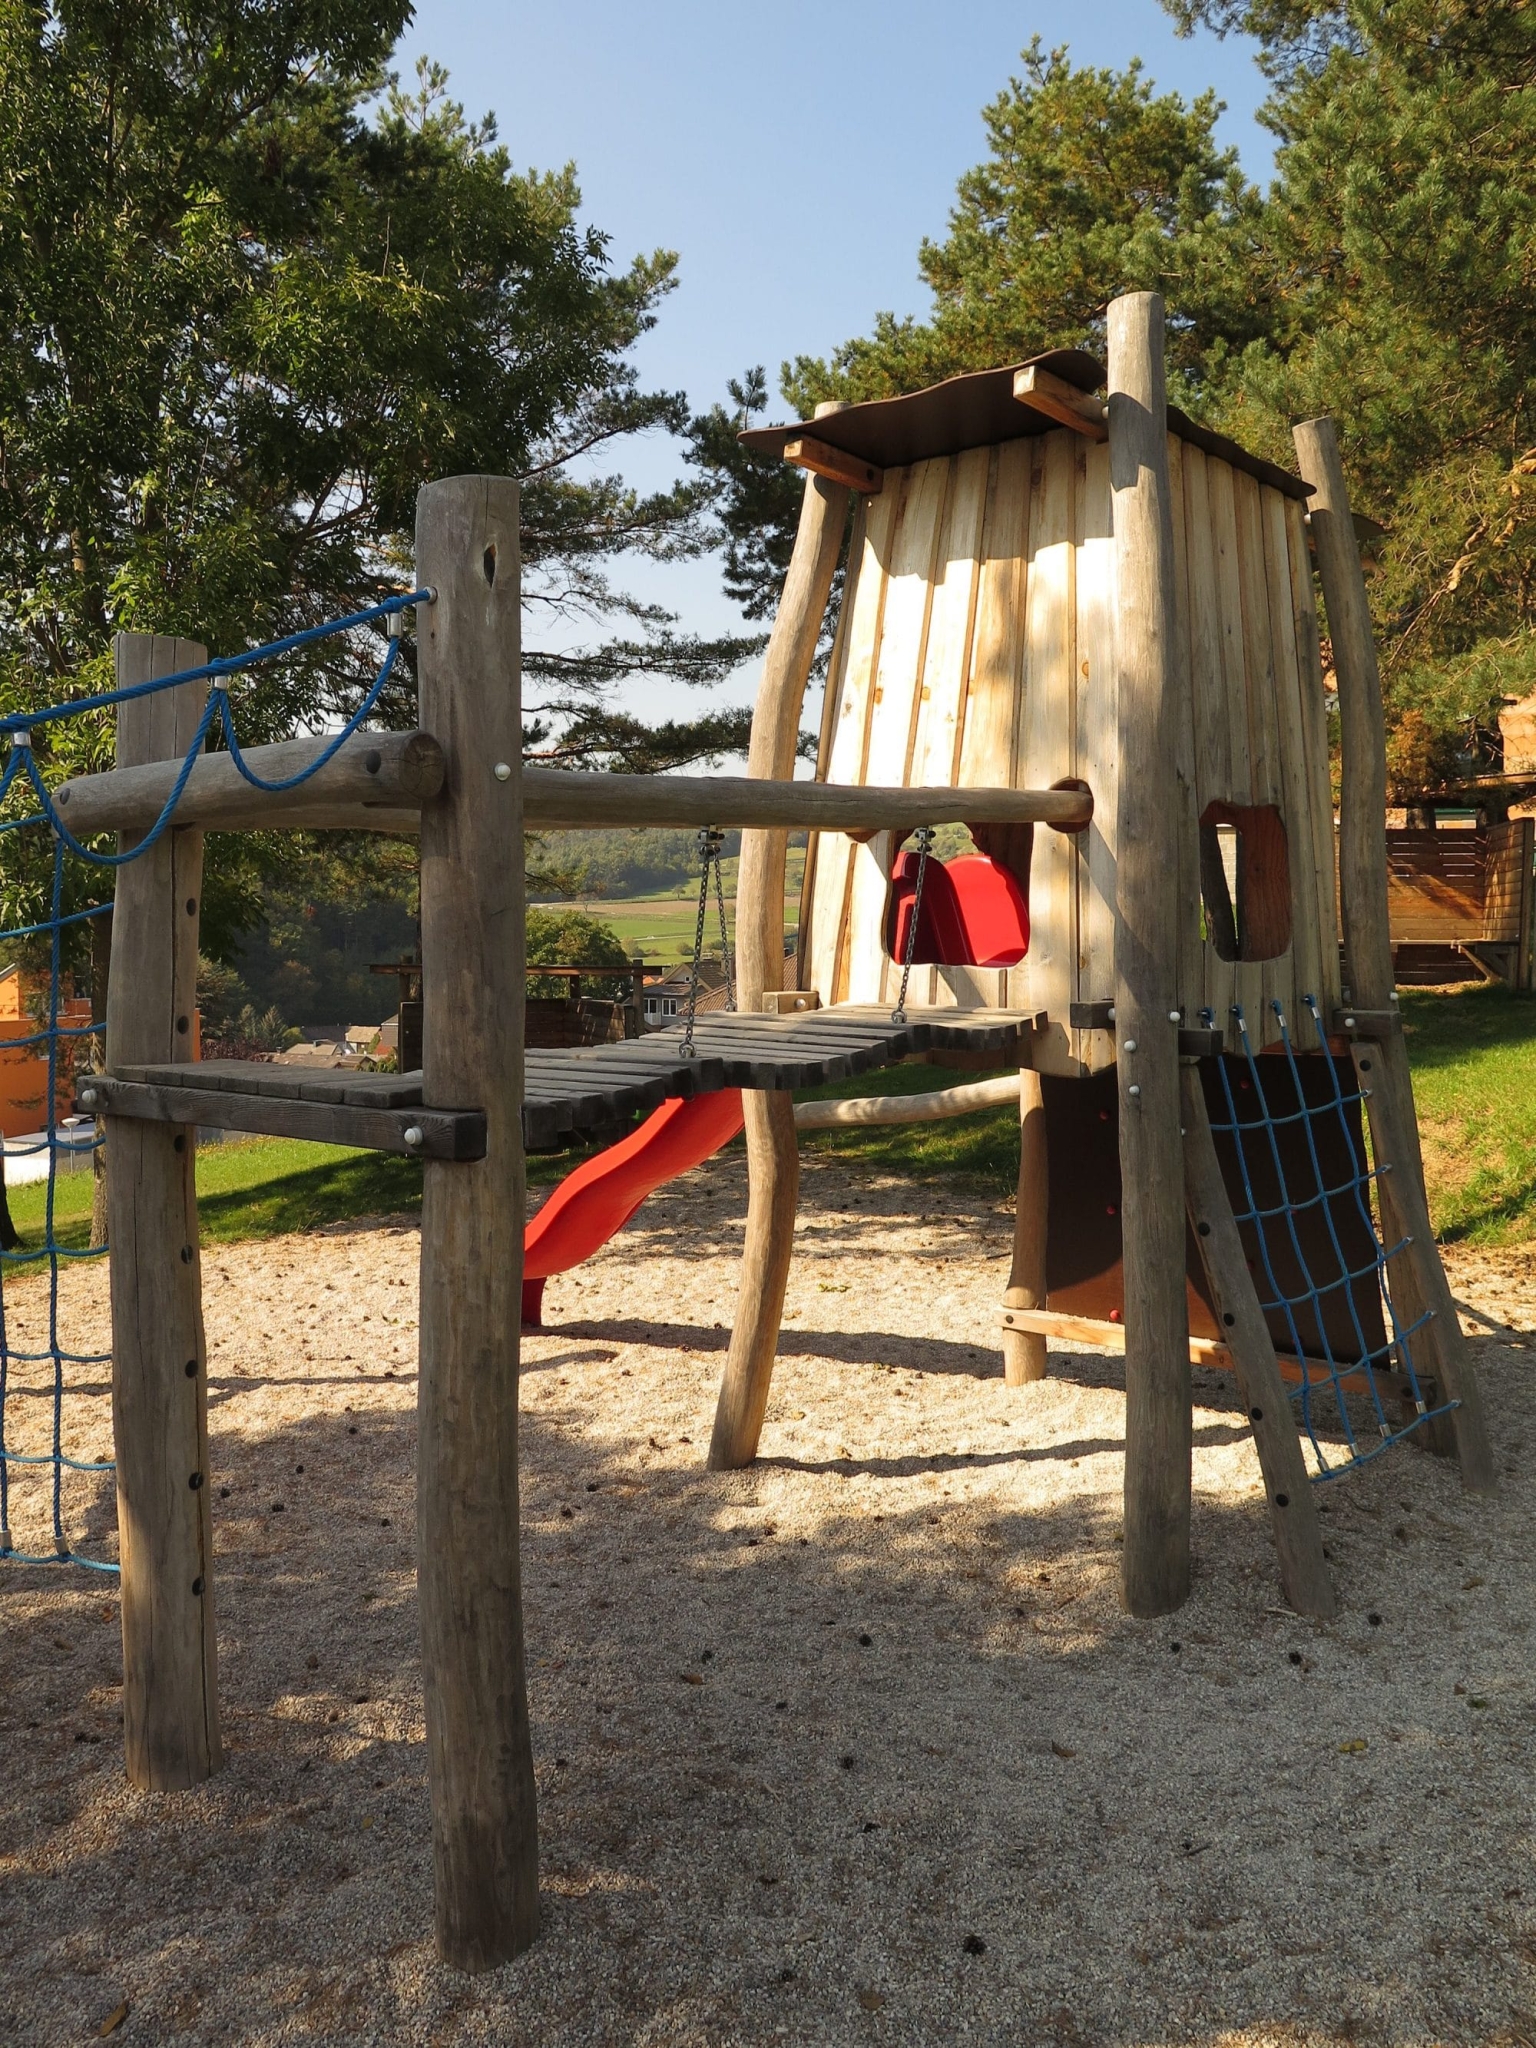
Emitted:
<point x="1320" y="1263"/>
<point x="30" y="824"/>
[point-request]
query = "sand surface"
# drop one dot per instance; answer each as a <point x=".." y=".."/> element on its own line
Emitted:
<point x="854" y="1747"/>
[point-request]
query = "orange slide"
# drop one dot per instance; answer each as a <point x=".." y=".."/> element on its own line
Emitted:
<point x="603" y="1193"/>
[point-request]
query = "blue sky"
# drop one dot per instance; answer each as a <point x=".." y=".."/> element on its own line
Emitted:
<point x="794" y="157"/>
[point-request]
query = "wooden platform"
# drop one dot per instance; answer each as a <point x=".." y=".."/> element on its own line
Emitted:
<point x="565" y="1092"/>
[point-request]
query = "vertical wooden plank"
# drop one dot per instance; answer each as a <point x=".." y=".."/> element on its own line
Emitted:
<point x="1047" y="979"/>
<point x="1314" y="724"/>
<point x="849" y="713"/>
<point x="1248" y="981"/>
<point x="1158" y="1419"/>
<point x="1097" y="742"/>
<point x="903" y="644"/>
<point x="936" y="735"/>
<point x="479" y="1753"/>
<point x="1189" y="967"/>
<point x="1208" y="692"/>
<point x="171" y="1733"/>
<point x="1266" y="777"/>
<point x="995" y="690"/>
<point x="1306" y="920"/>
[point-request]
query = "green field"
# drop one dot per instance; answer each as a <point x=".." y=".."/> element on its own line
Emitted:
<point x="1473" y="1054"/>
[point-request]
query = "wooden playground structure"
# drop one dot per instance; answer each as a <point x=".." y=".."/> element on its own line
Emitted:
<point x="1063" y="611"/>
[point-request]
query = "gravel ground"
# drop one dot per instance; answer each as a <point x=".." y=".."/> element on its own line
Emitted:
<point x="854" y="1747"/>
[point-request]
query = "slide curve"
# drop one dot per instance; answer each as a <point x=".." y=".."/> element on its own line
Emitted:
<point x="603" y="1193"/>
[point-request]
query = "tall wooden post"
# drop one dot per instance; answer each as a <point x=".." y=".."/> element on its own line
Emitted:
<point x="159" y="1360"/>
<point x="1024" y="1351"/>
<point x="480" y="1757"/>
<point x="1155" y="1573"/>
<point x="1367" y="938"/>
<point x="773" y="1152"/>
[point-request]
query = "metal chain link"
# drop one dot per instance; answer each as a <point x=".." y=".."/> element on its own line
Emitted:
<point x="709" y="841"/>
<point x="924" y="842"/>
<point x="725" y="943"/>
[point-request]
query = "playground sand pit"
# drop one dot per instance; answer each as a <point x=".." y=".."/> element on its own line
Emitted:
<point x="856" y="1746"/>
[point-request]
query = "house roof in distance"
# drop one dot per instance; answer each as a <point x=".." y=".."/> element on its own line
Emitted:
<point x="978" y="410"/>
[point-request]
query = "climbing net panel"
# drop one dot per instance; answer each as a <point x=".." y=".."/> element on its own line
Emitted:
<point x="48" y="880"/>
<point x="1321" y="1268"/>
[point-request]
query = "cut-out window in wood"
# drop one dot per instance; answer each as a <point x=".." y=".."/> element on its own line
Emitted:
<point x="1245" y="880"/>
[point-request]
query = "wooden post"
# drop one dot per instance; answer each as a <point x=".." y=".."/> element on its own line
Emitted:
<point x="1367" y="939"/>
<point x="159" y="1377"/>
<point x="1024" y="1351"/>
<point x="479" y="1753"/>
<point x="1155" y="1573"/>
<point x="773" y="1151"/>
<point x="1292" y="1506"/>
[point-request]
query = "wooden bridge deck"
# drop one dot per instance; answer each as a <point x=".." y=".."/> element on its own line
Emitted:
<point x="566" y="1092"/>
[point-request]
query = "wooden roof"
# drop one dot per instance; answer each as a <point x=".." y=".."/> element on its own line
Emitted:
<point x="979" y="410"/>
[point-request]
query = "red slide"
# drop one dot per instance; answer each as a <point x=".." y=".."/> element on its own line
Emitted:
<point x="603" y="1193"/>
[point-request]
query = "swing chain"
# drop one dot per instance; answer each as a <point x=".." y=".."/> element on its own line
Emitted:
<point x="925" y="837"/>
<point x="709" y="842"/>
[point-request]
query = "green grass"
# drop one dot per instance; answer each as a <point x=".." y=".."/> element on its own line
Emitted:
<point x="262" y="1187"/>
<point x="1473" y="1055"/>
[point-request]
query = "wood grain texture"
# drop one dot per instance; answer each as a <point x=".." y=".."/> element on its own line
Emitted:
<point x="765" y="1262"/>
<point x="1293" y="1513"/>
<point x="1156" y="1567"/>
<point x="1367" y="941"/>
<point x="171" y="1733"/>
<point x="1247" y="978"/>
<point x="480" y="1758"/>
<point x="1047" y="978"/>
<point x="1098" y="738"/>
<point x="1208" y="697"/>
<point x="372" y="775"/>
<point x="844" y="754"/>
<point x="1024" y="1351"/>
<point x="576" y="800"/>
<point x="1266" y="777"/>
<point x="773" y="1154"/>
<point x="898" y="673"/>
<point x="1189" y="970"/>
<point x="441" y="1134"/>
<point x="1314" y="719"/>
<point x="1306" y="913"/>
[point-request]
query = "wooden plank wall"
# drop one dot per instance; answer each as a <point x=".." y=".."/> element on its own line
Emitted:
<point x="976" y="646"/>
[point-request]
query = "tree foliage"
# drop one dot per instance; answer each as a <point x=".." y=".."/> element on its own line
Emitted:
<point x="1093" y="183"/>
<point x="254" y="294"/>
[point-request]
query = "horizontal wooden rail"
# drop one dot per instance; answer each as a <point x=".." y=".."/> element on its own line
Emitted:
<point x="928" y="1108"/>
<point x="572" y="800"/>
<point x="375" y="781"/>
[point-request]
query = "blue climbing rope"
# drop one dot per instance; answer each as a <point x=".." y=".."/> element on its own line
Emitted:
<point x="1330" y="1276"/>
<point x="61" y="1034"/>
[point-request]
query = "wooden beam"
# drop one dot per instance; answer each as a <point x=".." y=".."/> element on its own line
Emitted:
<point x="376" y="781"/>
<point x="1001" y="1091"/>
<point x="835" y="464"/>
<point x="773" y="1152"/>
<point x="479" y="1752"/>
<point x="1368" y="947"/>
<point x="1292" y="1509"/>
<point x="1155" y="1569"/>
<point x="159" y="1358"/>
<point x="1206" y="1351"/>
<point x="572" y="799"/>
<point x="1060" y="401"/>
<point x="1024" y="1355"/>
<point x="414" y="1133"/>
